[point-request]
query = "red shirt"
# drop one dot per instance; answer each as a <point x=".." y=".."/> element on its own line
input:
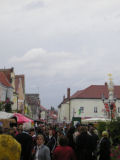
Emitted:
<point x="64" y="152"/>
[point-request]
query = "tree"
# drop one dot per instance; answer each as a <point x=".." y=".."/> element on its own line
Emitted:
<point x="115" y="131"/>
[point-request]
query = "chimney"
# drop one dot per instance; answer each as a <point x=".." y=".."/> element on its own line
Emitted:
<point x="105" y="84"/>
<point x="68" y="93"/>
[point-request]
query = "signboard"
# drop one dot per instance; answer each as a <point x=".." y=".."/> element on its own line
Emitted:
<point x="76" y="119"/>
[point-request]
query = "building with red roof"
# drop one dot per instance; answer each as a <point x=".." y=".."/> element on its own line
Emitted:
<point x="87" y="103"/>
<point x="18" y="85"/>
<point x="6" y="89"/>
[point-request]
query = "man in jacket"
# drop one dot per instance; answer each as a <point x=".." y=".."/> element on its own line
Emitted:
<point x="26" y="143"/>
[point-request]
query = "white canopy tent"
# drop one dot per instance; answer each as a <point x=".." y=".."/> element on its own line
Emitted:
<point x="5" y="115"/>
<point x="94" y="120"/>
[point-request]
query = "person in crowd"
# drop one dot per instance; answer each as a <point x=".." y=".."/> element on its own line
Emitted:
<point x="95" y="140"/>
<point x="84" y="145"/>
<point x="77" y="132"/>
<point x="1" y="129"/>
<point x="15" y="131"/>
<point x="33" y="135"/>
<point x="10" y="149"/>
<point x="20" y="129"/>
<point x="41" y="151"/>
<point x="104" y="147"/>
<point x="59" y="133"/>
<point x="51" y="141"/>
<point x="63" y="151"/>
<point x="70" y="134"/>
<point x="26" y="142"/>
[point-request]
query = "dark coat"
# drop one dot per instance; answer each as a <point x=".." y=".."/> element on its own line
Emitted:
<point x="84" y="146"/>
<point x="104" y="149"/>
<point x="26" y="143"/>
<point x="51" y="143"/>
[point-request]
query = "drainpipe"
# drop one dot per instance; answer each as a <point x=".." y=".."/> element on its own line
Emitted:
<point x="68" y="97"/>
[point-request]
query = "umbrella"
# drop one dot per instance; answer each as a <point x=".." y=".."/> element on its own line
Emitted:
<point x="10" y="149"/>
<point x="22" y="119"/>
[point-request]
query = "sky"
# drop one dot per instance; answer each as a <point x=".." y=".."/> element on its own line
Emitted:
<point x="60" y="44"/>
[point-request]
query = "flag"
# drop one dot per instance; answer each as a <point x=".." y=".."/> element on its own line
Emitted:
<point x="79" y="111"/>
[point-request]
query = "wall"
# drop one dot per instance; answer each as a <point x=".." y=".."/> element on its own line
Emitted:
<point x="5" y="92"/>
<point x="88" y="105"/>
<point x="63" y="112"/>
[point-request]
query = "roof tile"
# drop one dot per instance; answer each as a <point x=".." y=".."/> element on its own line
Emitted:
<point x="4" y="80"/>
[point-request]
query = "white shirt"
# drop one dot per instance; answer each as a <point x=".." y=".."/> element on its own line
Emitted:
<point x="37" y="151"/>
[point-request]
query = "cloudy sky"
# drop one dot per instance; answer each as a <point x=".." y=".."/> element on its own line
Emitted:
<point x="60" y="43"/>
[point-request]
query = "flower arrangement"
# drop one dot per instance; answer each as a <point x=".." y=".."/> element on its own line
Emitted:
<point x="115" y="153"/>
<point x="6" y="105"/>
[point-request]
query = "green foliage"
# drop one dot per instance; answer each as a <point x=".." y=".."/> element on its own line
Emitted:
<point x="101" y="126"/>
<point x="1" y="106"/>
<point x="8" y="107"/>
<point x="114" y="128"/>
<point x="115" y="153"/>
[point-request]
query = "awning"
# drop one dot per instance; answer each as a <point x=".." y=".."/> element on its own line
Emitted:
<point x="22" y="119"/>
<point x="5" y="115"/>
<point x="97" y="119"/>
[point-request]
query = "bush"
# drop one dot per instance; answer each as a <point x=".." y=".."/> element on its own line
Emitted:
<point x="101" y="126"/>
<point x="115" y="153"/>
<point x="115" y="131"/>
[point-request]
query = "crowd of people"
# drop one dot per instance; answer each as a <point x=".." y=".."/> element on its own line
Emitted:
<point x="47" y="142"/>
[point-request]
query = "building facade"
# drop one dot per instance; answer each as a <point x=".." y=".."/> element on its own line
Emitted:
<point x="20" y="91"/>
<point x="87" y="103"/>
<point x="6" y="90"/>
<point x="32" y="102"/>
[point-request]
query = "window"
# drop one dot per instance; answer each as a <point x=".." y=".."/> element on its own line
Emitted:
<point x="81" y="109"/>
<point x="95" y="110"/>
<point x="118" y="109"/>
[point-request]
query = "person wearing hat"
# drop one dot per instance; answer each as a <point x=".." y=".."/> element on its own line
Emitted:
<point x="104" y="147"/>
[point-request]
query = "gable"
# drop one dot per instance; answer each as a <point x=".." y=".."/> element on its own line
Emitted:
<point x="3" y="80"/>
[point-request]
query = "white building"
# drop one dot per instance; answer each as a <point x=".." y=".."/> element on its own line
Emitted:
<point x="87" y="103"/>
<point x="6" y="90"/>
<point x="44" y="113"/>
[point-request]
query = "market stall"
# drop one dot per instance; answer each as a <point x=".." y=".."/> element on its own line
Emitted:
<point x="6" y="119"/>
<point x="22" y="119"/>
<point x="95" y="120"/>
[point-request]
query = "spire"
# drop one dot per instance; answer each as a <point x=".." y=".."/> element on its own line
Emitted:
<point x="111" y="87"/>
